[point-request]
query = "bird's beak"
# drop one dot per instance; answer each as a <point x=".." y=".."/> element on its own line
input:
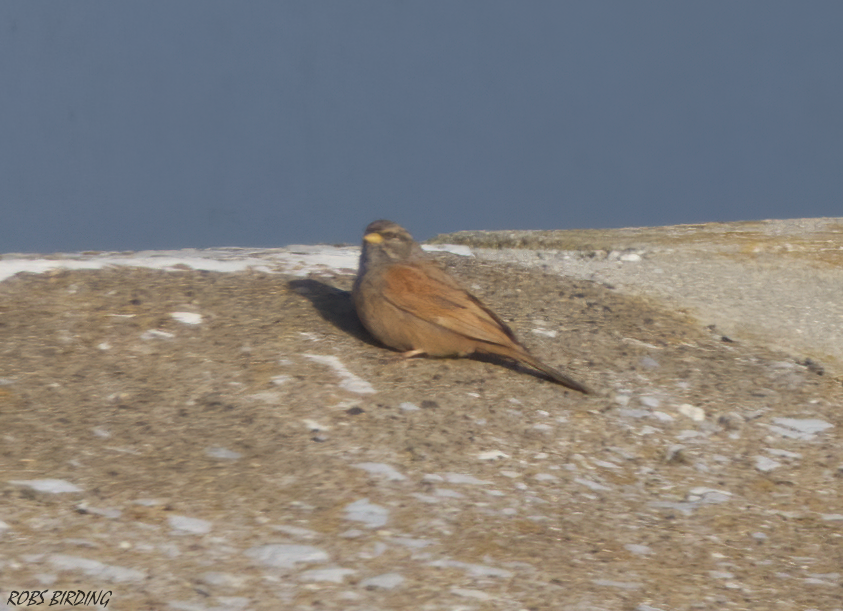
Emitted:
<point x="373" y="238"/>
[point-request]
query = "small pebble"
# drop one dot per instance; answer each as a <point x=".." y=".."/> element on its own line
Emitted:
<point x="650" y="401"/>
<point x="333" y="574"/>
<point x="95" y="569"/>
<point x="296" y="531"/>
<point x="192" y="526"/>
<point x="623" y="585"/>
<point x="187" y="318"/>
<point x="800" y="428"/>
<point x="474" y="570"/>
<point x="461" y="478"/>
<point x="385" y="471"/>
<point x="286" y="556"/>
<point x="53" y="486"/>
<point x="475" y="594"/>
<point x="157" y="334"/>
<point x="387" y="581"/>
<point x="592" y="485"/>
<point x="765" y="465"/>
<point x="226" y="580"/>
<point x="492" y="455"/>
<point x="222" y="453"/>
<point x="649" y="362"/>
<point x="697" y="414"/>
<point x="373" y="516"/>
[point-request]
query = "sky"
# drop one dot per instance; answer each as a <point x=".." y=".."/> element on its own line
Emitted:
<point x="200" y="123"/>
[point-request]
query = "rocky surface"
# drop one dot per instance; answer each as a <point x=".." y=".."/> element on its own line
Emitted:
<point x="778" y="283"/>
<point x="198" y="440"/>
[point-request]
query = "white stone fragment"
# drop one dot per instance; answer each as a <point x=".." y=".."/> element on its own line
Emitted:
<point x="689" y="434"/>
<point x="373" y="516"/>
<point x="314" y="426"/>
<point x="53" y="486"/>
<point x="222" y="453"/>
<point x="492" y="455"/>
<point x="639" y="550"/>
<point x="650" y="401"/>
<point x="832" y="517"/>
<point x="104" y="346"/>
<point x="386" y="472"/>
<point x="475" y="594"/>
<point x="411" y="542"/>
<point x="697" y="414"/>
<point x="95" y="569"/>
<point x="266" y="396"/>
<point x="332" y="574"/>
<point x="387" y="581"/>
<point x="764" y="464"/>
<point x="783" y="453"/>
<point x="462" y="478"/>
<point x="349" y="381"/>
<point x="622" y="585"/>
<point x="630" y="257"/>
<point x="285" y="556"/>
<point x="592" y="485"/>
<point x="408" y="407"/>
<point x="475" y="570"/>
<point x="664" y="417"/>
<point x="157" y="334"/>
<point x="449" y="494"/>
<point x="296" y="531"/>
<point x="188" y="525"/>
<point x="708" y="495"/>
<point x="109" y="513"/>
<point x="220" y="579"/>
<point x="545" y="332"/>
<point x="799" y="428"/>
<point x="187" y="318"/>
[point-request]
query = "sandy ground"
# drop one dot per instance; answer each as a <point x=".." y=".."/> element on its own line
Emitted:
<point x="201" y="440"/>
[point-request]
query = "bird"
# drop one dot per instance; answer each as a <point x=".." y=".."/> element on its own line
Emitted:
<point x="409" y="303"/>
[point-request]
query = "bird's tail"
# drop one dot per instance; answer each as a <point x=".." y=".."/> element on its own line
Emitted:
<point x="556" y="376"/>
<point x="553" y="374"/>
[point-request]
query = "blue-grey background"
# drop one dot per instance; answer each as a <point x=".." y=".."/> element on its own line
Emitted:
<point x="178" y="123"/>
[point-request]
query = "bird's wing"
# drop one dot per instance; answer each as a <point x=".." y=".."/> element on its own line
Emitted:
<point x="428" y="292"/>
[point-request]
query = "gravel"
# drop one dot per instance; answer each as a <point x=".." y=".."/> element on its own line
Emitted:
<point x="267" y="454"/>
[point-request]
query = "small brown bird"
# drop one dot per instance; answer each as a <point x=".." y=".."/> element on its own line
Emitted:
<point x="407" y="302"/>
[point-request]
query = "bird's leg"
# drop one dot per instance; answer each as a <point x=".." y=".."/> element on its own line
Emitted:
<point x="401" y="357"/>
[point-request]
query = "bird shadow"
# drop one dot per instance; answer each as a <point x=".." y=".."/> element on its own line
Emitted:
<point x="334" y="306"/>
